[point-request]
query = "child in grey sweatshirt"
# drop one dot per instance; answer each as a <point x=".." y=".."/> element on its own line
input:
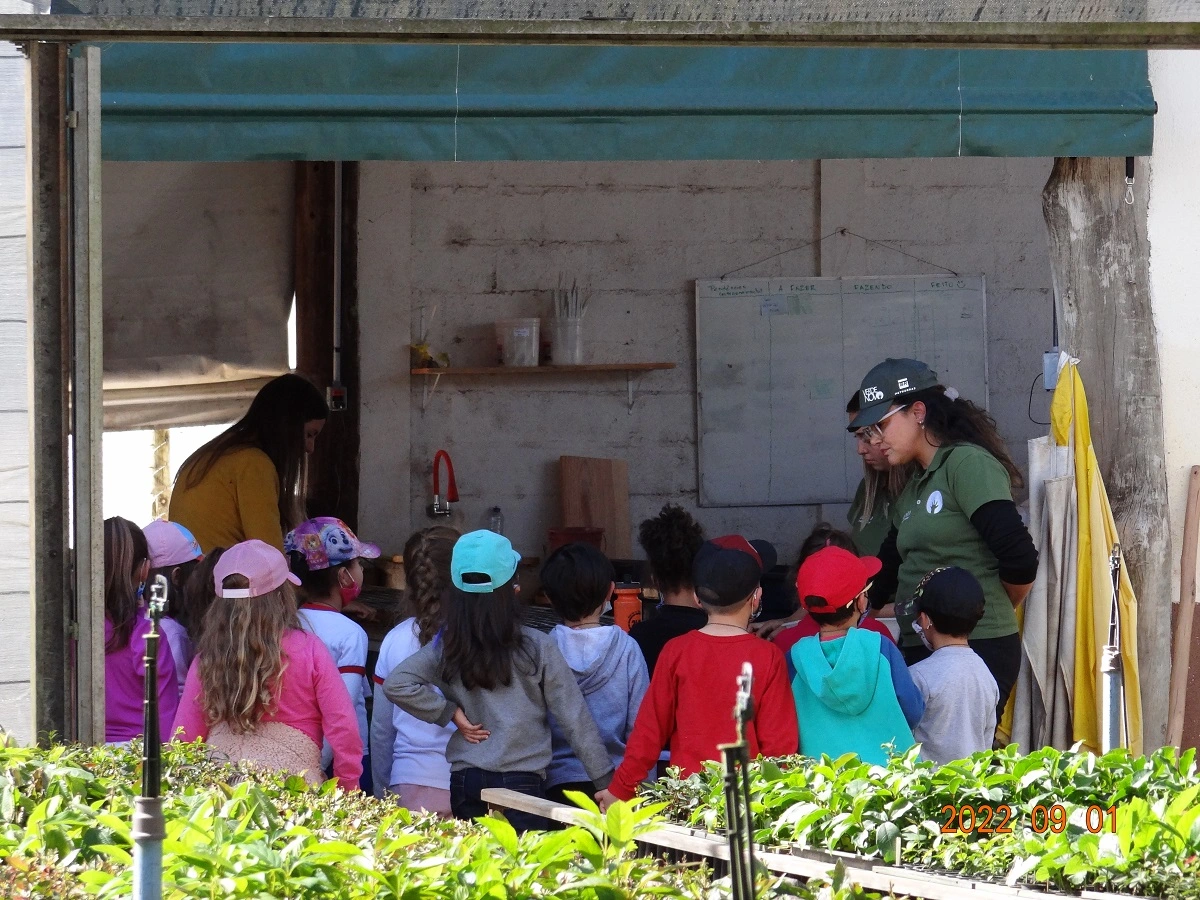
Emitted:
<point x="499" y="683"/>
<point x="607" y="663"/>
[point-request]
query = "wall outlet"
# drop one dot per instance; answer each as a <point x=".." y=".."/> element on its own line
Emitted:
<point x="335" y="398"/>
<point x="1050" y="369"/>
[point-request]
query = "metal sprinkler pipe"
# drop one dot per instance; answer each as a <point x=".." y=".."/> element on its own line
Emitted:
<point x="149" y="829"/>
<point x="1112" y="679"/>
<point x="738" y="825"/>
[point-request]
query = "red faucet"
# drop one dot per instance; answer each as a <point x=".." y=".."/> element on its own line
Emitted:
<point x="441" y="507"/>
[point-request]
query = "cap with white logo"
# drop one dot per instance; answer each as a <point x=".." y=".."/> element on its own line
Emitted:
<point x="886" y="384"/>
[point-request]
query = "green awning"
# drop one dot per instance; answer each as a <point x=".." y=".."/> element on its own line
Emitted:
<point x="474" y="102"/>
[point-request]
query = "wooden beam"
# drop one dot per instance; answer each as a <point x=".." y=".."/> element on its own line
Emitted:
<point x="50" y="584"/>
<point x="334" y="467"/>
<point x="1099" y="257"/>
<point x="165" y="26"/>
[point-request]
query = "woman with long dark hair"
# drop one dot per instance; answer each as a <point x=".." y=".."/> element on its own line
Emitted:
<point x="497" y="681"/>
<point x="956" y="509"/>
<point x="249" y="482"/>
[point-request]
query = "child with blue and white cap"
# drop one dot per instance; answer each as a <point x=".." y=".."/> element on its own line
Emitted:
<point x="499" y="681"/>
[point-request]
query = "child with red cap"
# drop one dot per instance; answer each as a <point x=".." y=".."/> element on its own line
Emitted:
<point x="689" y="706"/>
<point x="852" y="691"/>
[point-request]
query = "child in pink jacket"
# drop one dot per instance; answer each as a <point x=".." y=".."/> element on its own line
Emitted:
<point x="277" y="707"/>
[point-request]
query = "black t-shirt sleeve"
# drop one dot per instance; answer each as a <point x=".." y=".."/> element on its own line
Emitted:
<point x="1000" y="526"/>
<point x="883" y="586"/>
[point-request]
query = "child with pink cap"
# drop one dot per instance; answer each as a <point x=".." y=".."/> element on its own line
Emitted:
<point x="262" y="688"/>
<point x="174" y="554"/>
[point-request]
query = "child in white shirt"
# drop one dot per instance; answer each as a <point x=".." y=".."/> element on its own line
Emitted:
<point x="408" y="755"/>
<point x="324" y="554"/>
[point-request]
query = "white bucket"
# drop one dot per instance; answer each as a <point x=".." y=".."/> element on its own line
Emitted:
<point x="518" y="341"/>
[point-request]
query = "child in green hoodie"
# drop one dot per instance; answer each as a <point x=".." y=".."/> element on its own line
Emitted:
<point x="852" y="690"/>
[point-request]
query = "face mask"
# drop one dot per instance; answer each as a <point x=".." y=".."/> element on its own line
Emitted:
<point x="921" y="634"/>
<point x="350" y="592"/>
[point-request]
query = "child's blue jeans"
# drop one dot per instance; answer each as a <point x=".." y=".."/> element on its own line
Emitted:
<point x="466" y="784"/>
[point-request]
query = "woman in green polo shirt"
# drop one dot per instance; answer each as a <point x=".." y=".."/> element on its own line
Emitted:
<point x="956" y="509"/>
<point x="870" y="515"/>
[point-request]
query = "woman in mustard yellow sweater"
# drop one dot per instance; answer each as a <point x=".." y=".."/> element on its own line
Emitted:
<point x="249" y="482"/>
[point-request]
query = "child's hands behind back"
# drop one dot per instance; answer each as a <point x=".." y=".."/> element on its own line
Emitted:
<point x="474" y="734"/>
<point x="605" y="799"/>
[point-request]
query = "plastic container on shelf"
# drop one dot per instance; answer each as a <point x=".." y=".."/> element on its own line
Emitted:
<point x="518" y="341"/>
<point x="566" y="342"/>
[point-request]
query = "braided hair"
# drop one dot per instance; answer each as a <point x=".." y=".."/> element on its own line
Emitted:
<point x="427" y="572"/>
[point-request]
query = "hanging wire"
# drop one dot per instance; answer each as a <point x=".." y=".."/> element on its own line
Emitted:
<point x="819" y="240"/>
<point x="1030" y="408"/>
<point x="844" y="232"/>
<point x="897" y="250"/>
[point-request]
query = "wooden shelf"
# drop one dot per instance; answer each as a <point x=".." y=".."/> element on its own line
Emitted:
<point x="630" y="370"/>
<point x="545" y="370"/>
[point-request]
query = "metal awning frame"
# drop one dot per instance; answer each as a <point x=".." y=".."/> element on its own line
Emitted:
<point x="65" y="277"/>
<point x="997" y="35"/>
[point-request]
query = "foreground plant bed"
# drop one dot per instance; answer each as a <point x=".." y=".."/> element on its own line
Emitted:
<point x="1059" y="810"/>
<point x="234" y="833"/>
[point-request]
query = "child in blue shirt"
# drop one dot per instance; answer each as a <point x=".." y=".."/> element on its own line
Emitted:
<point x="853" y="692"/>
<point x="607" y="663"/>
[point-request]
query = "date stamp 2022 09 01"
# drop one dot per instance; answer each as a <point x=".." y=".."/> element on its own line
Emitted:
<point x="987" y="819"/>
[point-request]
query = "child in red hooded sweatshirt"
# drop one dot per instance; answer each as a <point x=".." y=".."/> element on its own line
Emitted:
<point x="689" y="706"/>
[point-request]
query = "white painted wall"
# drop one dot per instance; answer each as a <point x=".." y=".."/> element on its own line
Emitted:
<point x="486" y="241"/>
<point x="16" y="714"/>
<point x="1173" y="228"/>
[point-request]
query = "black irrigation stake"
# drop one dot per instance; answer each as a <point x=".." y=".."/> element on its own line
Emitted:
<point x="738" y="825"/>
<point x="148" y="826"/>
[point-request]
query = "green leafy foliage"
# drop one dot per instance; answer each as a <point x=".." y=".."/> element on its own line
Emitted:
<point x="851" y="806"/>
<point x="236" y="833"/>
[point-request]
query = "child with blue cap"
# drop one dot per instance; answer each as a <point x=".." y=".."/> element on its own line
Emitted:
<point x="498" y="681"/>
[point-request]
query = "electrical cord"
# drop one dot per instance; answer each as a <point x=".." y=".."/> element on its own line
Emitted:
<point x="1029" y="410"/>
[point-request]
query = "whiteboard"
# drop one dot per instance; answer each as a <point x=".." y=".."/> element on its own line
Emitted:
<point x="777" y="359"/>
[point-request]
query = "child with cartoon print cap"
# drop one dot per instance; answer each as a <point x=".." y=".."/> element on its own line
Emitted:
<point x="324" y="554"/>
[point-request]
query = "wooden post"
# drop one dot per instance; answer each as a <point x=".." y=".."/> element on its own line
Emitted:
<point x="50" y="582"/>
<point x="1099" y="257"/>
<point x="1185" y="614"/>
<point x="334" y="467"/>
<point x="160" y="443"/>
<point x="87" y="395"/>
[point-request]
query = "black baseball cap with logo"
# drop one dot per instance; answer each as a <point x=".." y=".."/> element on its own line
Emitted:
<point x="886" y="384"/>
<point x="950" y="590"/>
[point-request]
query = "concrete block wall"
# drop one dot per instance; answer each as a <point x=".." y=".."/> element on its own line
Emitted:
<point x="482" y="241"/>
<point x="972" y="215"/>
